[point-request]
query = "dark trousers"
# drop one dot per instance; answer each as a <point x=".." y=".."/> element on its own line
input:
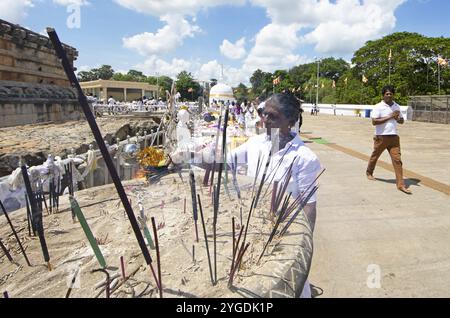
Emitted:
<point x="392" y="144"/>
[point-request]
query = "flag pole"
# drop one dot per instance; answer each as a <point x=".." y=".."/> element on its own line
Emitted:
<point x="439" y="78"/>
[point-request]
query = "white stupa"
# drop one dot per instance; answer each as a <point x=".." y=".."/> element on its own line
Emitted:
<point x="221" y="92"/>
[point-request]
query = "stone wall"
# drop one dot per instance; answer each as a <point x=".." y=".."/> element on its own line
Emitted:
<point x="26" y="56"/>
<point x="33" y="85"/>
<point x="29" y="103"/>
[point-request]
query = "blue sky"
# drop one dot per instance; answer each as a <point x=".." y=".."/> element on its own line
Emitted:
<point x="167" y="36"/>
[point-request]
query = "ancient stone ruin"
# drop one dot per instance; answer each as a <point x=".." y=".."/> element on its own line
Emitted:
<point x="33" y="86"/>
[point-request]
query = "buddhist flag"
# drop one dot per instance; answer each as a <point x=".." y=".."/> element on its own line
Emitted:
<point x="345" y="81"/>
<point x="442" y="61"/>
<point x="364" y="79"/>
<point x="390" y="55"/>
<point x="299" y="89"/>
<point x="293" y="90"/>
<point x="323" y="85"/>
<point x="333" y="85"/>
<point x="276" y="81"/>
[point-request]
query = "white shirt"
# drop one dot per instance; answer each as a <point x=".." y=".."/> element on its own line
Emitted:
<point x="383" y="110"/>
<point x="111" y="101"/>
<point x="304" y="171"/>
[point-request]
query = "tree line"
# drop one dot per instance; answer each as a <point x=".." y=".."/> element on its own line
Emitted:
<point x="409" y="61"/>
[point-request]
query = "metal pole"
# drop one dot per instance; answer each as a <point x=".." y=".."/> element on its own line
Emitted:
<point x="317" y="88"/>
<point x="439" y="79"/>
<point x="157" y="86"/>
<point x="389" y="71"/>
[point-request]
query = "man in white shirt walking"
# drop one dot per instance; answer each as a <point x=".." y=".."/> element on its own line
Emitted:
<point x="385" y="117"/>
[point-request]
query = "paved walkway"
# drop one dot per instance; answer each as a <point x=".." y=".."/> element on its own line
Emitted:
<point x="363" y="225"/>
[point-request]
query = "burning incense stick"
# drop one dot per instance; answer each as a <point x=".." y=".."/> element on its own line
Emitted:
<point x="6" y="252"/>
<point x="72" y="282"/>
<point x="158" y="257"/>
<point x="15" y="233"/>
<point x="87" y="231"/>
<point x="206" y="238"/>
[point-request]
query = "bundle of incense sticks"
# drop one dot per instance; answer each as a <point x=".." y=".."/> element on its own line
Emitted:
<point x="299" y="198"/>
<point x="275" y="228"/>
<point x="302" y="205"/>
<point x="36" y="215"/>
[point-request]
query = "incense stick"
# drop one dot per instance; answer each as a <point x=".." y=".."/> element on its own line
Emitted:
<point x="215" y="153"/>
<point x="15" y="234"/>
<point x="6" y="252"/>
<point x="234" y="236"/>
<point x="87" y="231"/>
<point x="194" y="201"/>
<point x="28" y="216"/>
<point x="122" y="267"/>
<point x="158" y="257"/>
<point x="206" y="239"/>
<point x="304" y="202"/>
<point x="107" y="280"/>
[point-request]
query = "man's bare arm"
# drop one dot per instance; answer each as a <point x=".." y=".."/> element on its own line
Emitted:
<point x="382" y="120"/>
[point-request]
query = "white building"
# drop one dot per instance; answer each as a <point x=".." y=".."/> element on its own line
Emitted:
<point x="221" y="92"/>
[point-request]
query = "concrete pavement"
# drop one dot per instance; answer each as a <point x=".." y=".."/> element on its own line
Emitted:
<point x="367" y="230"/>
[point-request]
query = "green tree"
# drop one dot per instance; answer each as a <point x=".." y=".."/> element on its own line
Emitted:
<point x="85" y="76"/>
<point x="413" y="65"/>
<point x="104" y="72"/>
<point x="261" y="82"/>
<point x="187" y="87"/>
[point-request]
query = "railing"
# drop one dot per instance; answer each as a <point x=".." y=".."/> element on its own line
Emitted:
<point x="126" y="169"/>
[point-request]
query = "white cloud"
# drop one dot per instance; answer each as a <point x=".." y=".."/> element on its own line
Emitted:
<point x="234" y="51"/>
<point x="154" y="64"/>
<point x="274" y="47"/>
<point x="166" y="39"/>
<point x="70" y="2"/>
<point x="15" y="11"/>
<point x="182" y="7"/>
<point x="339" y="27"/>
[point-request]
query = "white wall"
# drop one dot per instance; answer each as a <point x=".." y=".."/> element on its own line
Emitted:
<point x="352" y="110"/>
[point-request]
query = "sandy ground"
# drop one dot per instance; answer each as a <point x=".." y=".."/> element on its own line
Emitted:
<point x="183" y="274"/>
